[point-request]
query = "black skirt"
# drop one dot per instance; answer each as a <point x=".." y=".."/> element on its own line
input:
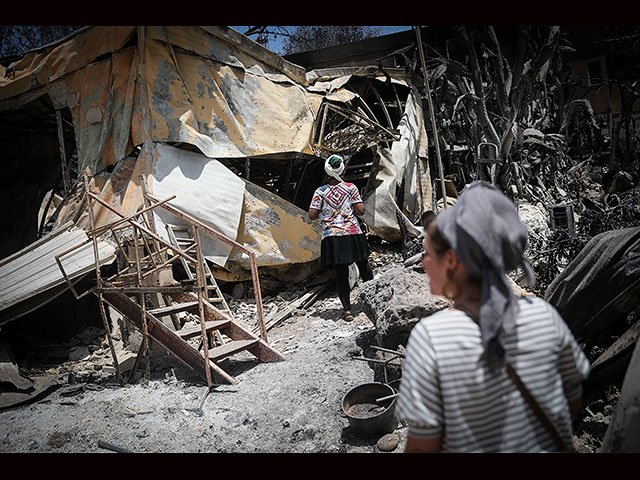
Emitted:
<point x="344" y="249"/>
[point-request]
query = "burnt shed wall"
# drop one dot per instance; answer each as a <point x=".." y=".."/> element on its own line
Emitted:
<point x="30" y="155"/>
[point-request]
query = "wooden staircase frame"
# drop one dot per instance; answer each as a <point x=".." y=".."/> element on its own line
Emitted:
<point x="144" y="275"/>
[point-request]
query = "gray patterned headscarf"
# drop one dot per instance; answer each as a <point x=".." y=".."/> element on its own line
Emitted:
<point x="485" y="231"/>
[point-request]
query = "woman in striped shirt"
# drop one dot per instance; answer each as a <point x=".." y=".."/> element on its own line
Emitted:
<point x="455" y="393"/>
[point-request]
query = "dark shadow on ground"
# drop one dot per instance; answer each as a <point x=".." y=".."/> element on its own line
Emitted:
<point x="348" y="437"/>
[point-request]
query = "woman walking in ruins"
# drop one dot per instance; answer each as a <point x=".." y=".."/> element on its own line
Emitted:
<point x="458" y="392"/>
<point x="343" y="241"/>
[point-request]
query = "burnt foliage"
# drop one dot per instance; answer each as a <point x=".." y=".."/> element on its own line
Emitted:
<point x="512" y="110"/>
<point x="16" y="40"/>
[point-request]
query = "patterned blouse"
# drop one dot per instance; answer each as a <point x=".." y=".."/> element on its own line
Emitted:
<point x="335" y="203"/>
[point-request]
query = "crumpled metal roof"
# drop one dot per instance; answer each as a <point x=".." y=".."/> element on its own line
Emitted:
<point x="31" y="277"/>
<point x="208" y="86"/>
<point x="215" y="89"/>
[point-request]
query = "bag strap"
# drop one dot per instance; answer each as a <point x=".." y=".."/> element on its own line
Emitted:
<point x="562" y="446"/>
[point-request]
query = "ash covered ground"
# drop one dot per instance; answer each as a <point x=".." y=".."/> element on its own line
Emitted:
<point x="294" y="406"/>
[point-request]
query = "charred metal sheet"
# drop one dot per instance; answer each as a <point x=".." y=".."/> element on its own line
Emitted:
<point x="278" y="231"/>
<point x="204" y="188"/>
<point x="107" y="115"/>
<point x="121" y="189"/>
<point x="224" y="110"/>
<point x="404" y="162"/>
<point x="236" y="48"/>
<point x="32" y="271"/>
<point x="43" y="66"/>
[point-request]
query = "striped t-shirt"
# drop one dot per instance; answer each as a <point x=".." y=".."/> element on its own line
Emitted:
<point x="447" y="389"/>
<point x="335" y="203"/>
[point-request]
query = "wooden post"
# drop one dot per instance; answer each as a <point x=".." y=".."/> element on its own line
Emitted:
<point x="63" y="155"/>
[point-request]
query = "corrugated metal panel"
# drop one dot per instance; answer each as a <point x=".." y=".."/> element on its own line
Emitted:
<point x="34" y="269"/>
<point x="204" y="188"/>
<point x="278" y="231"/>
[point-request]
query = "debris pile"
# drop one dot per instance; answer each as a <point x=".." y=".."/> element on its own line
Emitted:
<point x="229" y="140"/>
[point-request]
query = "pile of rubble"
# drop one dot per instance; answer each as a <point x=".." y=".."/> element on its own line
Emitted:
<point x="387" y="307"/>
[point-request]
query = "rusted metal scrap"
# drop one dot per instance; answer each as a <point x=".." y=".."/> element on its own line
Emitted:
<point x="142" y="274"/>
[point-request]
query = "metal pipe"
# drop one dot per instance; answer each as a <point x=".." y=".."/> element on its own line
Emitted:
<point x="99" y="280"/>
<point x="125" y="218"/>
<point x="143" y="309"/>
<point x="64" y="274"/>
<point x="149" y="216"/>
<point x="375" y="347"/>
<point x="389" y="397"/>
<point x="376" y="360"/>
<point x="433" y="118"/>
<point x="63" y="155"/>
<point x="258" y="294"/>
<point x="202" y="284"/>
<point x="145" y="230"/>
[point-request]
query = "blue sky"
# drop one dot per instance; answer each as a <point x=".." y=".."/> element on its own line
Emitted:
<point x="276" y="45"/>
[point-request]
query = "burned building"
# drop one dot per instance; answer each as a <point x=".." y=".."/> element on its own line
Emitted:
<point x="195" y="128"/>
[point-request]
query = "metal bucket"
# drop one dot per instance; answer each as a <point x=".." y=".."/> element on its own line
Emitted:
<point x="368" y="418"/>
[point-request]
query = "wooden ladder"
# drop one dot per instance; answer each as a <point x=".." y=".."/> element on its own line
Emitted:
<point x="182" y="237"/>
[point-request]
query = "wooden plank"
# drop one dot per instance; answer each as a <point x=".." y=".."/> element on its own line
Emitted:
<point x="230" y="348"/>
<point x="302" y="302"/>
<point x="191" y="332"/>
<point x="176" y="308"/>
<point x="138" y="290"/>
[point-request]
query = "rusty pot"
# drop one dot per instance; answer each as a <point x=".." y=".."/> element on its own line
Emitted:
<point x="369" y="418"/>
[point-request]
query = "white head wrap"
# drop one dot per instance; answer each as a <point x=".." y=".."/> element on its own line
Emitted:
<point x="334" y="166"/>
